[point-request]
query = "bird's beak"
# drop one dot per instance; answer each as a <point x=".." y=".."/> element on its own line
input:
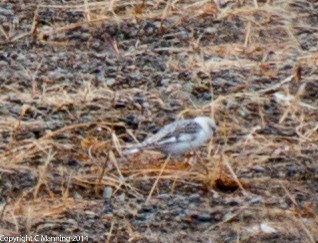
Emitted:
<point x="213" y="128"/>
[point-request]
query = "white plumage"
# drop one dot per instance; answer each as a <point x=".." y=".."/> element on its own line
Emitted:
<point x="178" y="137"/>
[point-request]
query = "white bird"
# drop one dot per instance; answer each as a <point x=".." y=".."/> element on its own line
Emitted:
<point x="178" y="137"/>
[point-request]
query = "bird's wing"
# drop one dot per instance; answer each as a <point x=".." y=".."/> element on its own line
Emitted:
<point x="179" y="131"/>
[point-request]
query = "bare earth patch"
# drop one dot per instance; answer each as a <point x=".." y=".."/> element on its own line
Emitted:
<point x="82" y="79"/>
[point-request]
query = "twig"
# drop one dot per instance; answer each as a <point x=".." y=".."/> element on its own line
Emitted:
<point x="156" y="182"/>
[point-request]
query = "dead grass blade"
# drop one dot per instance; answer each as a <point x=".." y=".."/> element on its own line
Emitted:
<point x="158" y="178"/>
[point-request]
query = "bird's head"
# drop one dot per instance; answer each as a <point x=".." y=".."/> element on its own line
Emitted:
<point x="207" y="123"/>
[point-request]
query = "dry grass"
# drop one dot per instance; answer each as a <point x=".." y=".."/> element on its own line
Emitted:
<point x="82" y="80"/>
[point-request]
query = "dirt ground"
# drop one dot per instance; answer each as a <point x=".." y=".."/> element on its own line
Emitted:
<point x="80" y="80"/>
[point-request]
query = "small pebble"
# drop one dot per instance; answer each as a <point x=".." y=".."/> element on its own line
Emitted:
<point x="107" y="192"/>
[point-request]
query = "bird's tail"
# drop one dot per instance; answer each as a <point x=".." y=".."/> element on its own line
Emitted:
<point x="131" y="150"/>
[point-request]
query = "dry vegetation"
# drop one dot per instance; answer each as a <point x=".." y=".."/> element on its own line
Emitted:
<point x="82" y="79"/>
